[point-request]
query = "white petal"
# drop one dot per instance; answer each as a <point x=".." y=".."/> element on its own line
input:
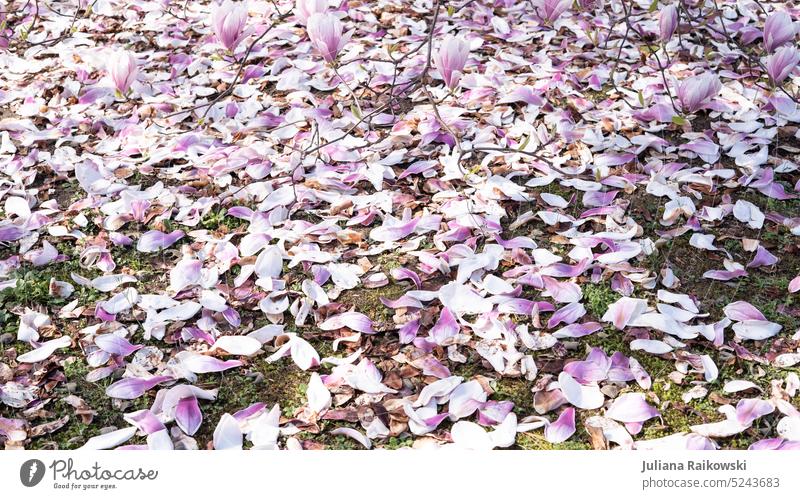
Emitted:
<point x="227" y="434"/>
<point x="471" y="436"/>
<point x="319" y="398"/>
<point x="45" y="351"/>
<point x="237" y="345"/>
<point x="756" y="330"/>
<point x="581" y="396"/>
<point x="110" y="439"/>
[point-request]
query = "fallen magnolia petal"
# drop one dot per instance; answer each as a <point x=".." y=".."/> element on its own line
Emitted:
<point x="603" y="430"/>
<point x="492" y="412"/>
<point x="624" y="311"/>
<point x="742" y="311"/>
<point x="470" y="436"/>
<point x="569" y="314"/>
<point x="747" y="212"/>
<point x="651" y="346"/>
<point x="710" y="370"/>
<point x="109" y="440"/>
<point x="756" y="330"/>
<point x="794" y="285"/>
<point x="789" y="428"/>
<point x="465" y="399"/>
<point x="631" y="408"/>
<point x="505" y="434"/>
<point x="785" y="360"/>
<point x="115" y="344"/>
<point x="767" y="444"/>
<point x="201" y="364"/>
<point x="677" y="442"/>
<point x="721" y="429"/>
<point x="110" y="282"/>
<point x="748" y="410"/>
<point x="188" y="415"/>
<point x="355" y="435"/>
<point x="155" y="240"/>
<point x="739" y="385"/>
<point x="562" y="428"/>
<point x="45" y="350"/>
<point x="438" y="389"/>
<point x="763" y="258"/>
<point x="578" y="330"/>
<point x="351" y="320"/>
<point x="30" y="323"/>
<point x="228" y="434"/>
<point x="237" y="345"/>
<point x="581" y="396"/>
<point x="132" y="388"/>
<point x="145" y="421"/>
<point x="318" y="396"/>
<point x="446" y="327"/>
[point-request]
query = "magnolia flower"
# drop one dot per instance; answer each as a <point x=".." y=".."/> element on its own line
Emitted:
<point x="695" y="91"/>
<point x="778" y="30"/>
<point x="450" y="59"/>
<point x="229" y="20"/>
<point x="325" y="32"/>
<point x="122" y="70"/>
<point x="303" y="9"/>
<point x="668" y="22"/>
<point x="782" y="63"/>
<point x="550" y="10"/>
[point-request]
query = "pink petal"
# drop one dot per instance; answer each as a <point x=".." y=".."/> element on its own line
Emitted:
<point x="562" y="428"/>
<point x="188" y="415"/>
<point x="631" y="408"/>
<point x="742" y="311"/>
<point x="624" y="311"/>
<point x="351" y="320"/>
<point x="446" y="327"/>
<point x="132" y="388"/>
<point x="748" y="410"/>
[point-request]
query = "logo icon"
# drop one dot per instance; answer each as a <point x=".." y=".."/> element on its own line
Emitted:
<point x="31" y="472"/>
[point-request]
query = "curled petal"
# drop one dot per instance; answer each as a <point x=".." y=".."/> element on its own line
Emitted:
<point x="562" y="428"/>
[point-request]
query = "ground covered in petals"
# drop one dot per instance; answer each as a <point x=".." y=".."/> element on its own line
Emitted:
<point x="545" y="224"/>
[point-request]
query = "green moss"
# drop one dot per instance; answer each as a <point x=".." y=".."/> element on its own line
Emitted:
<point x="536" y="441"/>
<point x="280" y="382"/>
<point x="33" y="286"/>
<point x="398" y="442"/>
<point x="335" y="442"/>
<point x="216" y="219"/>
<point x="517" y="390"/>
<point x="597" y="298"/>
<point x="368" y="301"/>
<point x="389" y="261"/>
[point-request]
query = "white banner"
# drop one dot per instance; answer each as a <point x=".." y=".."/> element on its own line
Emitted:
<point x="377" y="474"/>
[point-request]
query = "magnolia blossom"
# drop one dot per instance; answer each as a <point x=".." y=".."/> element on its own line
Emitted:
<point x="123" y="70"/>
<point x="695" y="91"/>
<point x="450" y="59"/>
<point x="303" y="9"/>
<point x="782" y="63"/>
<point x="667" y="22"/>
<point x="778" y="30"/>
<point x="325" y="32"/>
<point x="550" y="10"/>
<point x="229" y="20"/>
